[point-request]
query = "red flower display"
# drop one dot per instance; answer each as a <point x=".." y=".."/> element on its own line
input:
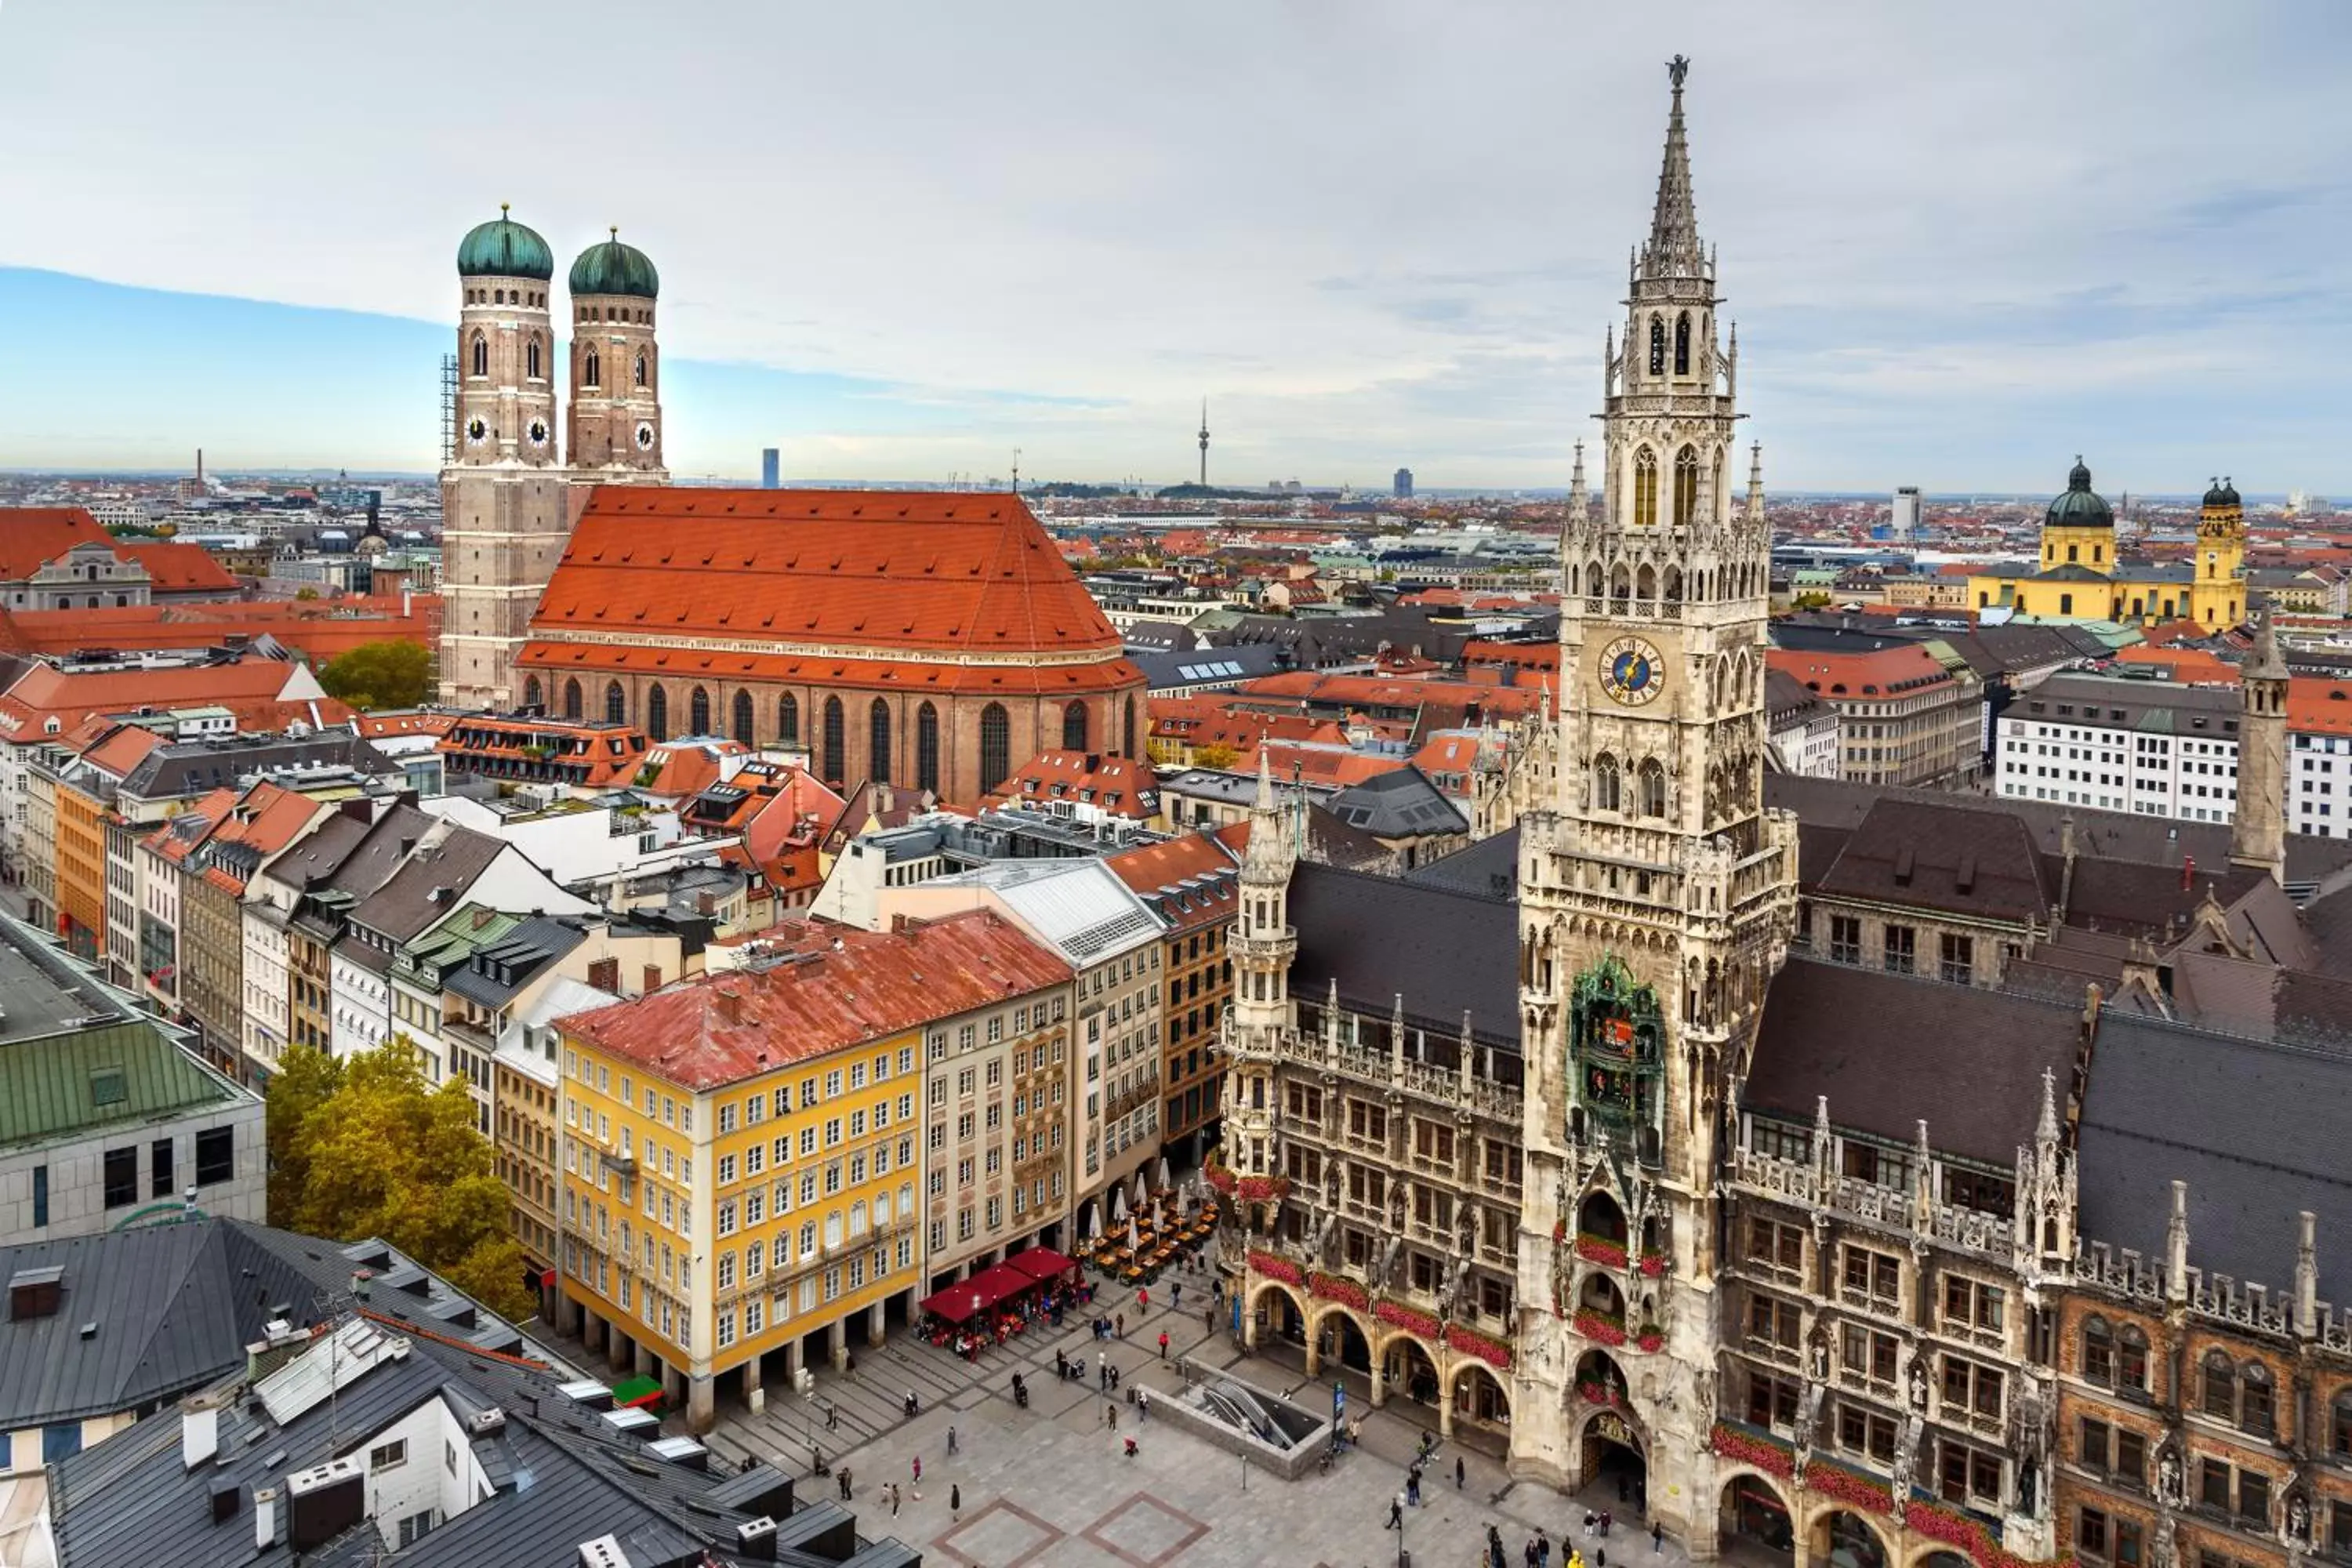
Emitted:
<point x="1334" y="1287"/>
<point x="1224" y="1181"/>
<point x="1404" y="1317"/>
<point x="1650" y="1341"/>
<point x="1273" y="1267"/>
<point x="1599" y="1393"/>
<point x="1848" y="1487"/>
<point x="1263" y="1189"/>
<point x="1654" y="1264"/>
<point x="1595" y="1327"/>
<point x="1471" y="1342"/>
<point x="1763" y="1453"/>
<point x="1600" y="1250"/>
<point x="1956" y="1530"/>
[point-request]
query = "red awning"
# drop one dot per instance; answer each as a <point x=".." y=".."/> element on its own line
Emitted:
<point x="982" y="1291"/>
<point x="1042" y="1263"/>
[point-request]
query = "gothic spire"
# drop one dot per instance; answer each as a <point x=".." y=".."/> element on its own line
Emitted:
<point x="1673" y="246"/>
<point x="1756" y="484"/>
<point x="1580" y="506"/>
<point x="2267" y="665"/>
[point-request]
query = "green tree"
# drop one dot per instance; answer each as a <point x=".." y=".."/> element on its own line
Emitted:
<point x="394" y="673"/>
<point x="365" y="1147"/>
<point x="305" y="595"/>
<point x="1214" y="755"/>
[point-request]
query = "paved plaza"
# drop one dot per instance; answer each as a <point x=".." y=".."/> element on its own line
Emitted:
<point x="1050" y="1486"/>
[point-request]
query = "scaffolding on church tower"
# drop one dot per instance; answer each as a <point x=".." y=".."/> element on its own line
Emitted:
<point x="448" y="409"/>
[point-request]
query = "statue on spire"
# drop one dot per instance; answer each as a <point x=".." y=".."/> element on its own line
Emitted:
<point x="1677" y="69"/>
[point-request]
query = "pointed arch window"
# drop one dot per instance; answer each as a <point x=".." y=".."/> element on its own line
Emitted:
<point x="1606" y="785"/>
<point x="481" y="354"/>
<point x="616" y="703"/>
<point x="1074" y="727"/>
<point x="1652" y="791"/>
<point x="743" y="718"/>
<point x="592" y="373"/>
<point x="641" y="370"/>
<point x="572" y="701"/>
<point x="531" y="357"/>
<point x="698" y="711"/>
<point x="1645" y="488"/>
<point x="1128" y="729"/>
<point x="1685" y="487"/>
<point x="530" y="693"/>
<point x="927" y="748"/>
<point x="657" y="714"/>
<point x="788" y="719"/>
<point x="877" y="742"/>
<point x="1657" y="346"/>
<point x="2219" y="1393"/>
<point x="831" y="765"/>
<point x="995" y="746"/>
<point x="1681" y="344"/>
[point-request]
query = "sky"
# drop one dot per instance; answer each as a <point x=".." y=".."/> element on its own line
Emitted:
<point x="1962" y="243"/>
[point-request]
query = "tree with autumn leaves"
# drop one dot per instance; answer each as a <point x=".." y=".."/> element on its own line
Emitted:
<point x="361" y="1146"/>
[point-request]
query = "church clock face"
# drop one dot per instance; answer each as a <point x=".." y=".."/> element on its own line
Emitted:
<point x="477" y="430"/>
<point x="538" y="432"/>
<point x="644" y="436"/>
<point x="1631" y="672"/>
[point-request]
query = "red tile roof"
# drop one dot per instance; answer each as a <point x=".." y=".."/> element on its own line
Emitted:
<point x="123" y="749"/>
<point x="890" y="571"/>
<point x="375" y="726"/>
<point x="723" y="1029"/>
<point x="319" y="631"/>
<point x="247" y="686"/>
<point x="1887" y="671"/>
<point x="2319" y="707"/>
<point x="33" y="536"/>
<point x="1200" y="859"/>
<point x="1118" y="786"/>
<point x="178" y="568"/>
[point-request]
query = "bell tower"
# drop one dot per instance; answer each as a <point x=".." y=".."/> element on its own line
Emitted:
<point x="1657" y="895"/>
<point x="2218" y="595"/>
<point x="616" y="420"/>
<point x="503" y="510"/>
<point x="1262" y="945"/>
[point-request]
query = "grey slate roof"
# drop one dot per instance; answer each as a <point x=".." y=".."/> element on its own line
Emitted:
<point x="1209" y="666"/>
<point x="1888" y="1048"/>
<point x="1445" y="952"/>
<point x="493" y="974"/>
<point x="1399" y="804"/>
<point x="2257" y="1131"/>
<point x="427" y="885"/>
<point x="193" y="767"/>
<point x="359" y="869"/>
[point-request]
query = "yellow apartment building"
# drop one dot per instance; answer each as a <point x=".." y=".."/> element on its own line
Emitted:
<point x="742" y="1154"/>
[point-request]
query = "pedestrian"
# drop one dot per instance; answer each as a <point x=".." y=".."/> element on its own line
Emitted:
<point x="1142" y="1300"/>
<point x="1413" y="1490"/>
<point x="1457" y="1472"/>
<point x="1209" y="1317"/>
<point x="1600" y="1557"/>
<point x="894" y="1499"/>
<point x="1122" y="1325"/>
<point x="1114" y="1380"/>
<point x="1591" y="1521"/>
<point x="1604" y="1524"/>
<point x="1528" y="1553"/>
<point x="918" y="1470"/>
<point x="1543" y="1550"/>
<point x="845" y="1483"/>
<point x="1176" y="1295"/>
<point x="1574" y="1559"/>
<point x="1110" y="1417"/>
<point x="1163" y="1344"/>
<point x="1102" y="1371"/>
<point x="951" y="1440"/>
<point x="1143" y="1404"/>
<point x="1657" y="1537"/>
<point x="1396" y="1513"/>
<point x="1061" y="1362"/>
<point x="955" y="1504"/>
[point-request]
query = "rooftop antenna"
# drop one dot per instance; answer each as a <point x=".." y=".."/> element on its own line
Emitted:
<point x="1016" y="470"/>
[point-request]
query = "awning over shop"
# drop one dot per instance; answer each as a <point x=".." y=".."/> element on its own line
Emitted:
<point x="1042" y="1263"/>
<point x="984" y="1290"/>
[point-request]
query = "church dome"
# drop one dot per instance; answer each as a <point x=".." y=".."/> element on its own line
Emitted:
<point x="2081" y="506"/>
<point x="2224" y="493"/>
<point x="504" y="249"/>
<point x="613" y="268"/>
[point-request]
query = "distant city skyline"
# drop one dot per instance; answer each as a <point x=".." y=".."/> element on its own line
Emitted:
<point x="1960" y="248"/>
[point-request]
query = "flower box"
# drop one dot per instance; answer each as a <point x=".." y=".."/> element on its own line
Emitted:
<point x="1747" y="1448"/>
<point x="1603" y="1329"/>
<point x="1654" y="1264"/>
<point x="1599" y="1393"/>
<point x="1471" y="1342"/>
<point x="1336" y="1287"/>
<point x="1849" y="1487"/>
<point x="1273" y="1267"/>
<point x="1262" y="1189"/>
<point x="1398" y="1315"/>
<point x="1652" y="1340"/>
<point x="1220" y="1178"/>
<point x="1600" y="1250"/>
<point x="1938" y="1522"/>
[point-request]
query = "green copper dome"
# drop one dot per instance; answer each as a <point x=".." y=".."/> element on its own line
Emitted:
<point x="613" y="268"/>
<point x="504" y="249"/>
<point x="2081" y="506"/>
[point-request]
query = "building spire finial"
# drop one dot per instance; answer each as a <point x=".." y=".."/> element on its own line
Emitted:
<point x="1579" y="505"/>
<point x="1674" y="248"/>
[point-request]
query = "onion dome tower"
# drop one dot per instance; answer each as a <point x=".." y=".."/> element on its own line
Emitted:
<point x="616" y="427"/>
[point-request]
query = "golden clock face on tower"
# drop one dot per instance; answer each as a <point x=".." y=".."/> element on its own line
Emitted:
<point x="477" y="430"/>
<point x="1631" y="671"/>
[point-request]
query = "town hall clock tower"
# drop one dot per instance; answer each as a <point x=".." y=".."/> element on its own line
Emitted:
<point x="1656" y="898"/>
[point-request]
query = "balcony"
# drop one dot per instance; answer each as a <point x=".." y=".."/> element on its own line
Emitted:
<point x="1866" y="1202"/>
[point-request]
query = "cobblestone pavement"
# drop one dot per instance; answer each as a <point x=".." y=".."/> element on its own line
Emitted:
<point x="1050" y="1487"/>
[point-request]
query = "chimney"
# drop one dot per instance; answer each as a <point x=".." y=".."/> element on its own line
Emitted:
<point x="265" y="1518"/>
<point x="755" y="1540"/>
<point x="199" y="1430"/>
<point x="605" y="1551"/>
<point x="731" y="1007"/>
<point x="222" y="1497"/>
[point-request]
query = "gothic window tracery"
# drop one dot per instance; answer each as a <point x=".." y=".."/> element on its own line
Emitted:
<point x="1685" y="486"/>
<point x="927" y="748"/>
<point x="530" y="354"/>
<point x="1074" y="727"/>
<point x="657" y="714"/>
<point x="592" y="374"/>
<point x="1657" y="346"/>
<point x="481" y="354"/>
<point x="641" y="370"/>
<point x="833" y="765"/>
<point x="697" y="709"/>
<point x="1651" y="792"/>
<point x="1606" y="783"/>
<point x="788" y="718"/>
<point x="571" y="699"/>
<point x="616" y="703"/>
<point x="1645" y="488"/>
<point x="877" y="742"/>
<point x="995" y="746"/>
<point x="1681" y="344"/>
<point x="743" y="718"/>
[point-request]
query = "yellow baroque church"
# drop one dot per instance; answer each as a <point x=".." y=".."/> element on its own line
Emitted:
<point x="2079" y="577"/>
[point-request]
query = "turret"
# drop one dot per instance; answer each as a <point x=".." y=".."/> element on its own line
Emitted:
<point x="2258" y="830"/>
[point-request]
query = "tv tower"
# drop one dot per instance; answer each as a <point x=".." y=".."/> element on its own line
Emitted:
<point x="1204" y="443"/>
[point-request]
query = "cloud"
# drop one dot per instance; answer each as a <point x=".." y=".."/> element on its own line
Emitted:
<point x="1370" y="236"/>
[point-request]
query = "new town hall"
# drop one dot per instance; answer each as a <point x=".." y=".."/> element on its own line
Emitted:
<point x="1867" y="1176"/>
